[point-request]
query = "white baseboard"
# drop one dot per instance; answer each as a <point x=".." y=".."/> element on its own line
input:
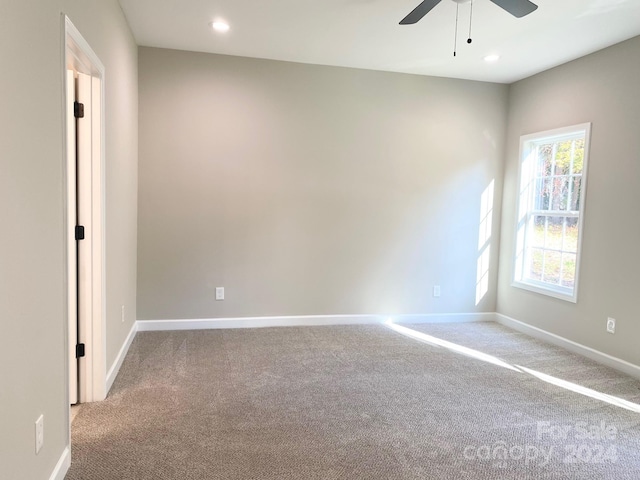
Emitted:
<point x="595" y="355"/>
<point x="62" y="467"/>
<point x="115" y="368"/>
<point x="305" y="320"/>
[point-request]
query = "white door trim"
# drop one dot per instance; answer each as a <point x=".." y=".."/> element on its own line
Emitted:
<point x="81" y="57"/>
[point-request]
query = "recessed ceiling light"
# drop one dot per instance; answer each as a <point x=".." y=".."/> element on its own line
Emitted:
<point x="220" y="26"/>
<point x="492" y="58"/>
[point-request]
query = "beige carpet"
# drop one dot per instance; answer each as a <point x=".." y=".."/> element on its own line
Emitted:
<point x="357" y="402"/>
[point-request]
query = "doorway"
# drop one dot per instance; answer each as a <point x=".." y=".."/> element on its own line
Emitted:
<point x="84" y="132"/>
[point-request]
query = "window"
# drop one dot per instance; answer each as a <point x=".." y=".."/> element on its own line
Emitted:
<point x="550" y="209"/>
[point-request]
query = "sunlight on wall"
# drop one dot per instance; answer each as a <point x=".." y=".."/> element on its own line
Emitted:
<point x="485" y="357"/>
<point x="484" y="242"/>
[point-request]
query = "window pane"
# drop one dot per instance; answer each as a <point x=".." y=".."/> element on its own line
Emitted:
<point x="543" y="193"/>
<point x="578" y="156"/>
<point x="534" y="268"/>
<point x="571" y="235"/>
<point x="544" y="163"/>
<point x="552" y="267"/>
<point x="563" y="158"/>
<point x="537" y="235"/>
<point x="576" y="187"/>
<point x="559" y="193"/>
<point x="568" y="269"/>
<point x="554" y="233"/>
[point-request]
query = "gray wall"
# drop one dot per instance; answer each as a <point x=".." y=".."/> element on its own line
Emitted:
<point x="32" y="295"/>
<point x="601" y="88"/>
<point x="310" y="190"/>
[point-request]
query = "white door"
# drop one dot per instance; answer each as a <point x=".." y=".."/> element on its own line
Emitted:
<point x="79" y="145"/>
<point x="85" y="193"/>
<point x="72" y="298"/>
<point x="84" y="216"/>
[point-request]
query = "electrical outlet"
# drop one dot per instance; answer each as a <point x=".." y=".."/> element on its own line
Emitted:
<point x="39" y="433"/>
<point x="611" y="325"/>
<point x="219" y="293"/>
<point x="436" y="290"/>
<point x="122" y="314"/>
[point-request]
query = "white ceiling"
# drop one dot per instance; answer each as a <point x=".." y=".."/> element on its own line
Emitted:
<point x="366" y="34"/>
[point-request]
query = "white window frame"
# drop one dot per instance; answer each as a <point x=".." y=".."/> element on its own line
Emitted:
<point x="525" y="209"/>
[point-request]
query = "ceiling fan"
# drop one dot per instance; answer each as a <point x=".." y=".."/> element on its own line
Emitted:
<point x="517" y="8"/>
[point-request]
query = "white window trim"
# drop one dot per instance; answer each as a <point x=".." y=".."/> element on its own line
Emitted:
<point x="532" y="285"/>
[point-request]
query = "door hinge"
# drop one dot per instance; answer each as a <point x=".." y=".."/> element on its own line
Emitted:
<point x="79" y="232"/>
<point x="80" y="350"/>
<point x="78" y="110"/>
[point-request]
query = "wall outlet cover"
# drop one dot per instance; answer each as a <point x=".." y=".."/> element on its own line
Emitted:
<point x="611" y="325"/>
<point x="219" y="293"/>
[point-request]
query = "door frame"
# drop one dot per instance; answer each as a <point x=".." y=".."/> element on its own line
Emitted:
<point x="79" y="55"/>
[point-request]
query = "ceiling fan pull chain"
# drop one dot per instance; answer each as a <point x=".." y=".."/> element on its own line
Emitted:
<point x="455" y="37"/>
<point x="470" y="19"/>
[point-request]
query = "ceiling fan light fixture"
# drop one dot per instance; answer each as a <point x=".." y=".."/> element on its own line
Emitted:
<point x="494" y="57"/>
<point x="220" y="26"/>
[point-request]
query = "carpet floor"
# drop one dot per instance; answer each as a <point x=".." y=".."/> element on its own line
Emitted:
<point x="458" y="401"/>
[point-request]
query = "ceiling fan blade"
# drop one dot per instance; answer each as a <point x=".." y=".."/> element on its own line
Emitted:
<point x="419" y="12"/>
<point x="517" y="8"/>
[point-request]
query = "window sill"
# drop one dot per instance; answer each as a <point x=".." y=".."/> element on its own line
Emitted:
<point x="549" y="292"/>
